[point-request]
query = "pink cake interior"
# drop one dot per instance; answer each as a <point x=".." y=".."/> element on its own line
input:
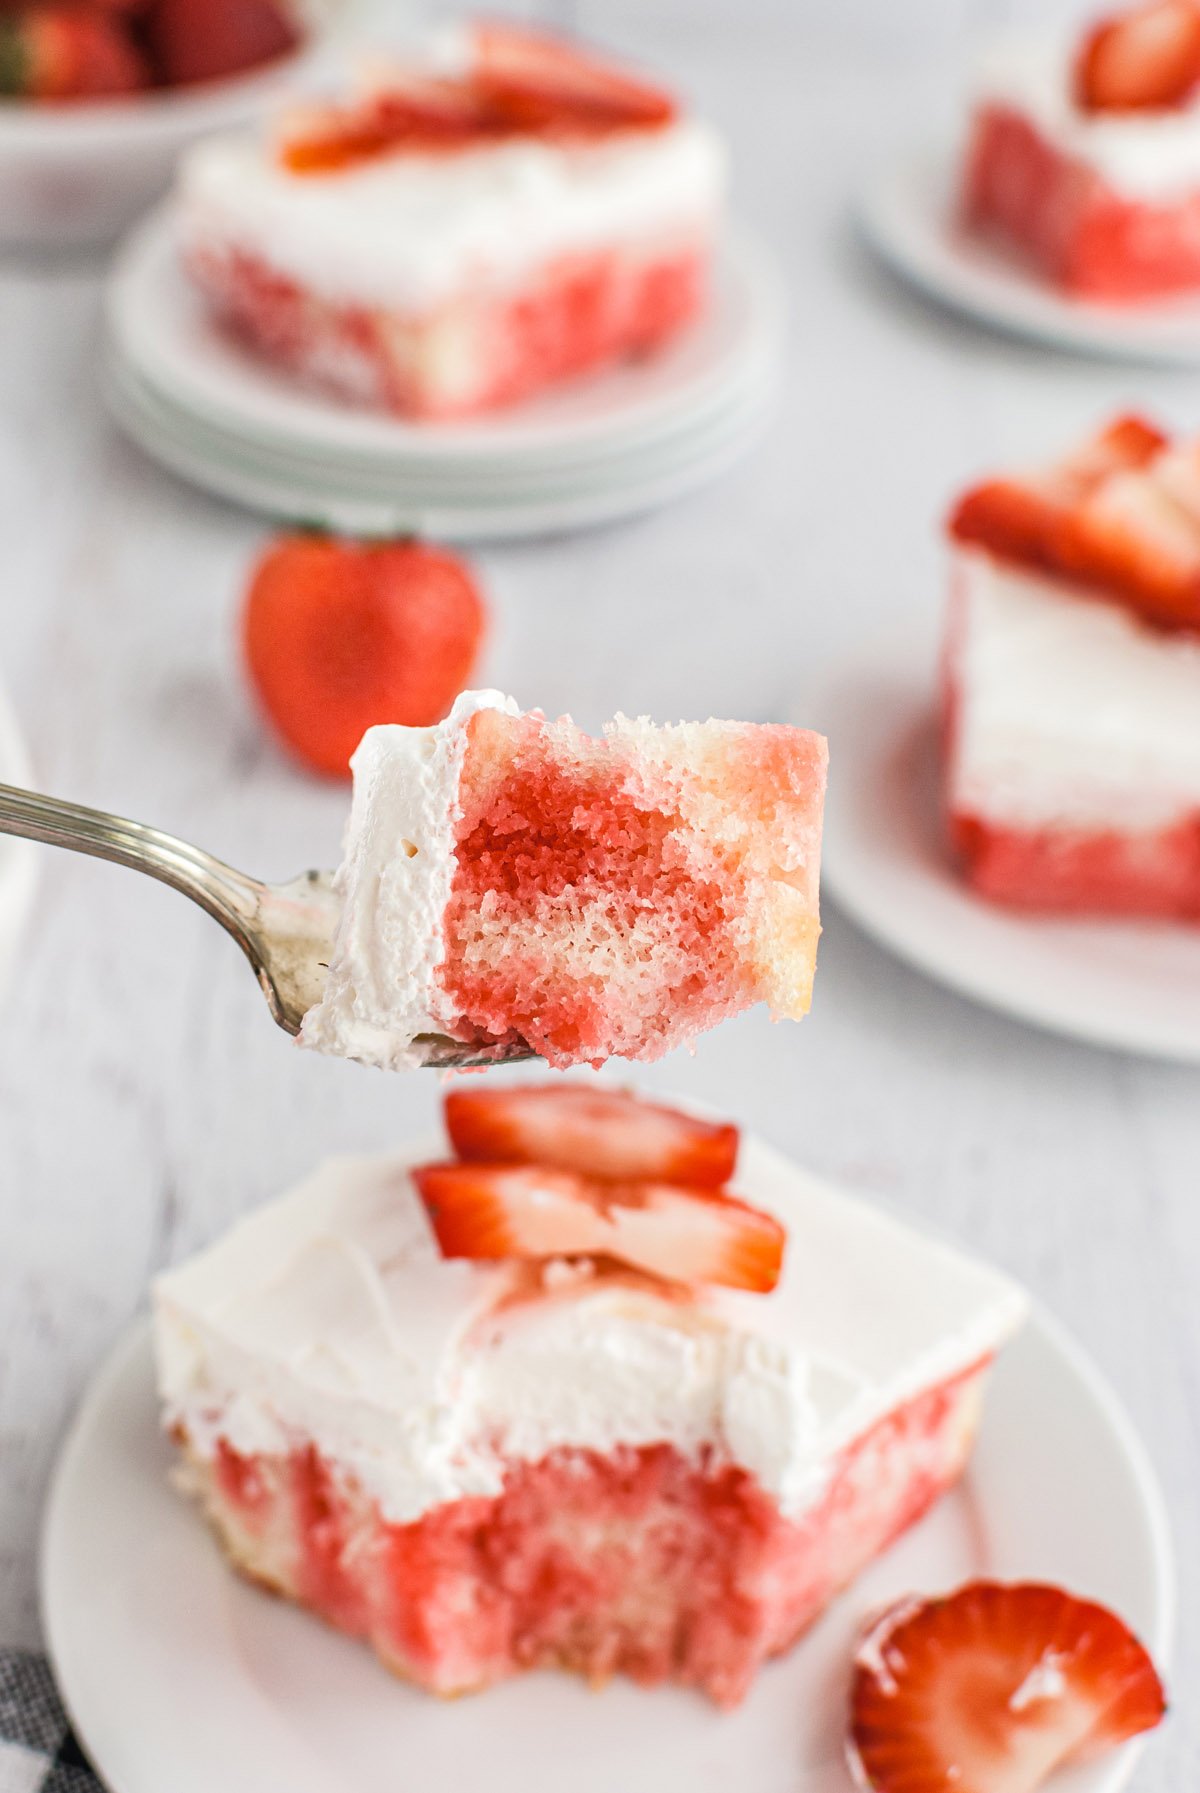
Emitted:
<point x="569" y="316"/>
<point x="640" y="1562"/>
<point x="619" y="896"/>
<point x="1082" y="234"/>
<point x="1155" y="875"/>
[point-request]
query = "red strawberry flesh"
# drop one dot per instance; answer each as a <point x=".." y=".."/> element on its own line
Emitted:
<point x="527" y="1212"/>
<point x="992" y="1688"/>
<point x="1122" y="515"/>
<point x="340" y="635"/>
<point x="1144" y="59"/>
<point x="522" y="83"/>
<point x="608" y="1134"/>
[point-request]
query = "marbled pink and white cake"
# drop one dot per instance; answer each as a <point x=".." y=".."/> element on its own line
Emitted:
<point x="1073" y="681"/>
<point x="1084" y="154"/>
<point x="563" y="1403"/>
<point x="506" y="212"/>
<point x="508" y="878"/>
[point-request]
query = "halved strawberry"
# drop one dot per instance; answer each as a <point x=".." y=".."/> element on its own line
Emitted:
<point x="1144" y="59"/>
<point x="1122" y="514"/>
<point x="1131" y="536"/>
<point x="488" y="1211"/>
<point x="609" y="1134"/>
<point x="545" y="81"/>
<point x="413" y="112"/>
<point x="1022" y="519"/>
<point x="66" y="53"/>
<point x="992" y="1688"/>
<point x="1129" y="441"/>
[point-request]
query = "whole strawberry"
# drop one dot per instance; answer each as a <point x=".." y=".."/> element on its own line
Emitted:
<point x="203" y="40"/>
<point x="68" y="53"/>
<point x="340" y="635"/>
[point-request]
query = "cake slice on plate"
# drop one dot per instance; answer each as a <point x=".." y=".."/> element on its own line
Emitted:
<point x="512" y="879"/>
<point x="577" y="1404"/>
<point x="507" y="211"/>
<point x="1086" y="155"/>
<point x="1073" y="680"/>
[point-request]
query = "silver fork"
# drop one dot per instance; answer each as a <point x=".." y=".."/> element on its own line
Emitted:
<point x="285" y="930"/>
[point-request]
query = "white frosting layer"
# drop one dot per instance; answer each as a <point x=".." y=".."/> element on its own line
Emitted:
<point x="1071" y="712"/>
<point x="394" y="879"/>
<point x="409" y="232"/>
<point x="330" y="1318"/>
<point x="1151" y="156"/>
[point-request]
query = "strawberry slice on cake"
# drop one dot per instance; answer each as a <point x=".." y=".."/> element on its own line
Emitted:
<point x="511" y="880"/>
<point x="1073" y="681"/>
<point x="508" y="210"/>
<point x="596" y="1132"/>
<point x="596" y="1421"/>
<point x="993" y="1688"/>
<point x="1085" y="155"/>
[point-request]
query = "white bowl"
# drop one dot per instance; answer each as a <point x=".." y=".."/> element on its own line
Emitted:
<point x="76" y="175"/>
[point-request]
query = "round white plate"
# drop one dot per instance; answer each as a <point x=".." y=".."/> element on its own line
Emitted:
<point x="907" y="213"/>
<point x="159" y="326"/>
<point x="178" y="1675"/>
<point x="18" y="858"/>
<point x="1134" y="986"/>
<point x="282" y="486"/>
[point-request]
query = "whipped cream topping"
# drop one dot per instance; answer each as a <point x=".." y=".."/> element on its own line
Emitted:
<point x="394" y="880"/>
<point x="1071" y="712"/>
<point x="329" y="1317"/>
<point x="1152" y="155"/>
<point x="409" y="232"/>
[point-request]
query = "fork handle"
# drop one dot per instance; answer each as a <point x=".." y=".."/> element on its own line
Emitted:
<point x="228" y="896"/>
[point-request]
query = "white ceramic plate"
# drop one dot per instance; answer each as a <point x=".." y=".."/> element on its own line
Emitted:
<point x="18" y="858"/>
<point x="907" y="214"/>
<point x="178" y="1675"/>
<point x="349" y="498"/>
<point x="159" y="327"/>
<point x="1134" y="986"/>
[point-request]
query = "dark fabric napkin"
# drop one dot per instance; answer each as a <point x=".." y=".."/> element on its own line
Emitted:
<point x="38" y="1751"/>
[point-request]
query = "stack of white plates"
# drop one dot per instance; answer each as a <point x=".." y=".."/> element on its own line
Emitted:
<point x="601" y="449"/>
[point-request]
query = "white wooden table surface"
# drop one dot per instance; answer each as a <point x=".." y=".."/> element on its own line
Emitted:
<point x="145" y="1098"/>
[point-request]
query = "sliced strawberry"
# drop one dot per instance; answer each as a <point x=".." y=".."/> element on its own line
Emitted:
<point x="205" y="40"/>
<point x="1130" y="536"/>
<point x="992" y="1688"/>
<point x="340" y="635"/>
<point x="1144" y="59"/>
<point x="1126" y="443"/>
<point x="609" y="1134"/>
<point x="523" y="1211"/>
<point x="65" y="53"/>
<point x="1022" y="519"/>
<point x="1122" y="514"/>
<point x="413" y="113"/>
<point x="545" y="81"/>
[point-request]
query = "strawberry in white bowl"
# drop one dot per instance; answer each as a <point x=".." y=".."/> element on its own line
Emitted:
<point x="98" y="99"/>
<point x="614" y="1395"/>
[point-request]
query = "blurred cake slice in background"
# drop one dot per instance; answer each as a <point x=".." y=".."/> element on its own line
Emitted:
<point x="508" y="878"/>
<point x="1073" y="680"/>
<point x="509" y="212"/>
<point x="495" y="1461"/>
<point x="1084" y="154"/>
